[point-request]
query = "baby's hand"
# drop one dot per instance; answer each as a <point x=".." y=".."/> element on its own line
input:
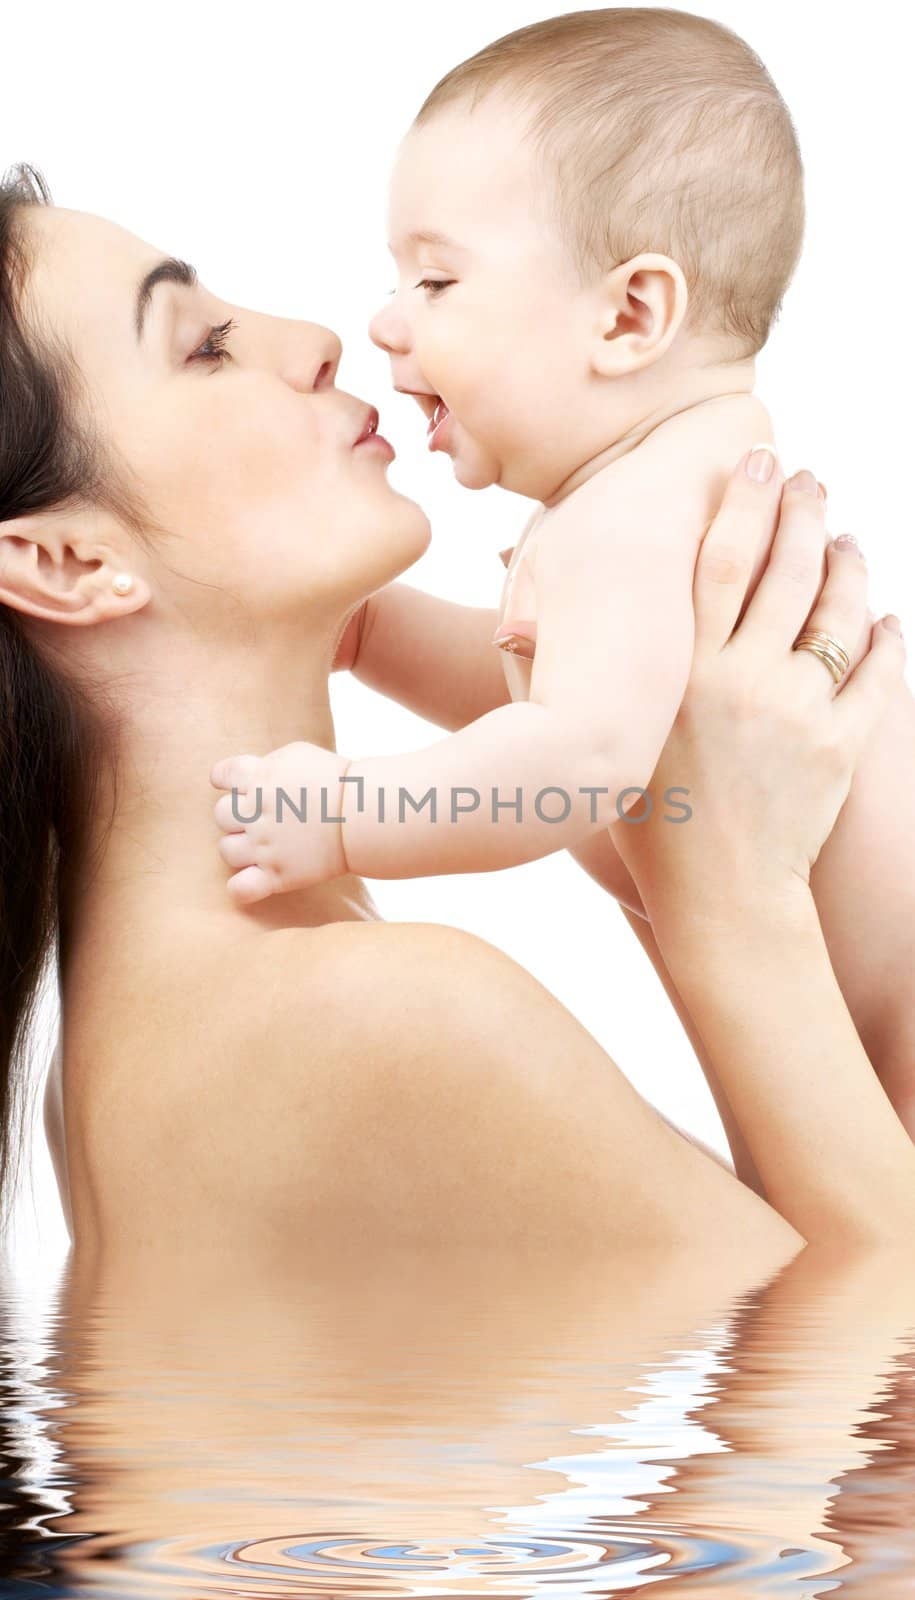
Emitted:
<point x="278" y="847"/>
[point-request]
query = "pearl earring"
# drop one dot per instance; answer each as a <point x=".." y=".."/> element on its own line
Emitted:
<point x="123" y="583"/>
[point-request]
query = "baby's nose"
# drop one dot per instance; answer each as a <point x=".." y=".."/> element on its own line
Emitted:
<point x="388" y="329"/>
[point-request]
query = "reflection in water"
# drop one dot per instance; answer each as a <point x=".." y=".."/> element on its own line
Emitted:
<point x="404" y="1426"/>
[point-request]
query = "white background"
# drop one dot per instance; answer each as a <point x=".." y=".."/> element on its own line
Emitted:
<point x="255" y="141"/>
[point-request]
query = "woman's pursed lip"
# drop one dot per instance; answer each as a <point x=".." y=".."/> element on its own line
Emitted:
<point x="376" y="443"/>
<point x="371" y="426"/>
<point x="370" y="439"/>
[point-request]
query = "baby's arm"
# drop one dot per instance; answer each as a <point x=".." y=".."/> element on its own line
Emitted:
<point x="613" y="653"/>
<point x="432" y="656"/>
<point x="614" y="644"/>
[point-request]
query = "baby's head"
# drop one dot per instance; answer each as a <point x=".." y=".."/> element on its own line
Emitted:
<point x="581" y="211"/>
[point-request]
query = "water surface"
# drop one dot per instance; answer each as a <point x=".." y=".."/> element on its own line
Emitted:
<point x="404" y="1426"/>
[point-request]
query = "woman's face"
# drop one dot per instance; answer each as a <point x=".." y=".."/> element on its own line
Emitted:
<point x="239" y="443"/>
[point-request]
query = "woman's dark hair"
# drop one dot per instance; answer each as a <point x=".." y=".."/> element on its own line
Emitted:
<point x="54" y="738"/>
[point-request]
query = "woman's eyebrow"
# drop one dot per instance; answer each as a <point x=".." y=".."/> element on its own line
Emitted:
<point x="169" y="270"/>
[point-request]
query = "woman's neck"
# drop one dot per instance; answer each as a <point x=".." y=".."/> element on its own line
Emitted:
<point x="158" y="871"/>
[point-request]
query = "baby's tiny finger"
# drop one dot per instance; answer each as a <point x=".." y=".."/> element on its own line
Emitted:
<point x="236" y="850"/>
<point x="232" y="811"/>
<point x="233" y="772"/>
<point x="249" y="886"/>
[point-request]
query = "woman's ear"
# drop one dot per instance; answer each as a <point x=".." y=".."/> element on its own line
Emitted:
<point x="642" y="306"/>
<point x="57" y="565"/>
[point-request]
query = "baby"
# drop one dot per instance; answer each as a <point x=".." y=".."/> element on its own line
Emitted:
<point x="594" y="220"/>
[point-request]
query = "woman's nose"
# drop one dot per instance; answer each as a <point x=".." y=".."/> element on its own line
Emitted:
<point x="388" y="329"/>
<point x="312" y="358"/>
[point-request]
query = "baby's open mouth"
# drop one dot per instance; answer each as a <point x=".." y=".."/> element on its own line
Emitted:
<point x="437" y="423"/>
<point x="434" y="407"/>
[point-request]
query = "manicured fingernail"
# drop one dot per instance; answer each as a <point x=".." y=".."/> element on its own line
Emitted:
<point x="847" y="541"/>
<point x="893" y="624"/>
<point x="803" y="480"/>
<point x="761" y="462"/>
<point x="821" y="490"/>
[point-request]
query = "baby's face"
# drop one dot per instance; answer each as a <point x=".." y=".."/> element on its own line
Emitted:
<point x="490" y="325"/>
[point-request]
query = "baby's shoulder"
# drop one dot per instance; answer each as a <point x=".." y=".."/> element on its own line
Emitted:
<point x="713" y="431"/>
<point x="665" y="492"/>
<point x="689" y="460"/>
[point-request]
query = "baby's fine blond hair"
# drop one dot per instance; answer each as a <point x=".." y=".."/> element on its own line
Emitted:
<point x="662" y="131"/>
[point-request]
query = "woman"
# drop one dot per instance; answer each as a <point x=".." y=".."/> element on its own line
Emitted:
<point x="185" y="532"/>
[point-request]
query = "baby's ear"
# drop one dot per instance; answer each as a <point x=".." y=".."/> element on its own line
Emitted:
<point x="642" y="306"/>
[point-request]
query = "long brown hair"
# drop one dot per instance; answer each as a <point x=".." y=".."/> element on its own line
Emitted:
<point x="55" y="737"/>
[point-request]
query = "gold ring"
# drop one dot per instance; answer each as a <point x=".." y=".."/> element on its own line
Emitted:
<point x="831" y="643"/>
<point x="827" y="649"/>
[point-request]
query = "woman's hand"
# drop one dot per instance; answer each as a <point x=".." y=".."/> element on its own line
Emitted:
<point x="765" y="743"/>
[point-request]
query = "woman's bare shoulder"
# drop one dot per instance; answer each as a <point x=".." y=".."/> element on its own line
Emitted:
<point x="258" y="1049"/>
<point x="408" y="1081"/>
<point x="378" y="976"/>
<point x="284" y="1058"/>
<point x="378" y="1003"/>
<point x="334" y="994"/>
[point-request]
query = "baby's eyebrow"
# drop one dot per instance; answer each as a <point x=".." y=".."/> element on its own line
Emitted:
<point x="426" y="236"/>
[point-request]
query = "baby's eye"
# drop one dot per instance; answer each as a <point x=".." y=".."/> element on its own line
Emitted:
<point x="434" y="286"/>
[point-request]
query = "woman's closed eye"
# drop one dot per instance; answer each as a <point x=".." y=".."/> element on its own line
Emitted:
<point x="434" y="286"/>
<point x="213" y="348"/>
